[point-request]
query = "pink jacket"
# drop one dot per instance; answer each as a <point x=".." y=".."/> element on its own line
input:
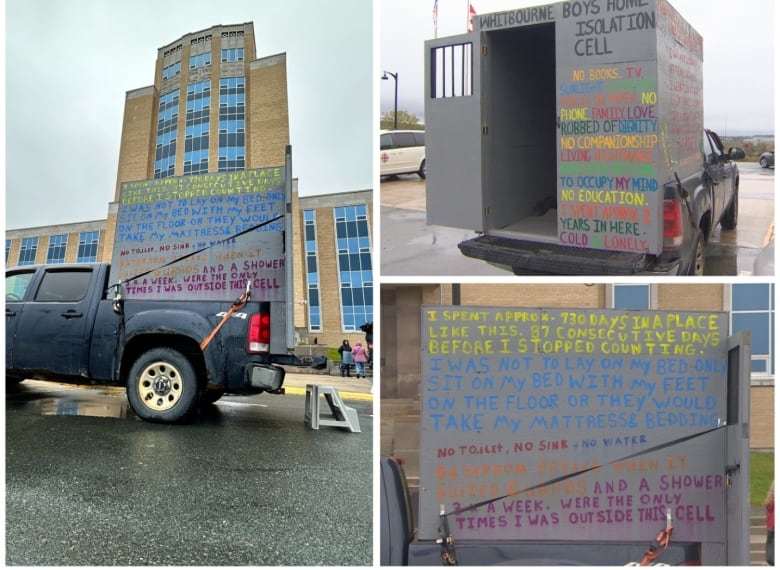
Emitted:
<point x="359" y="353"/>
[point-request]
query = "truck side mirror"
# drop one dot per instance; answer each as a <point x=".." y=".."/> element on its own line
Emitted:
<point x="736" y="153"/>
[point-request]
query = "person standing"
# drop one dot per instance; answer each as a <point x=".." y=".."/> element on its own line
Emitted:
<point x="361" y="357"/>
<point x="345" y="350"/>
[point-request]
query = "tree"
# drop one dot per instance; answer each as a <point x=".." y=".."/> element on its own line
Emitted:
<point x="405" y="121"/>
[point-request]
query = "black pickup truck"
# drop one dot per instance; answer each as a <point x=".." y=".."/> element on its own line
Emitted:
<point x="692" y="209"/>
<point x="68" y="323"/>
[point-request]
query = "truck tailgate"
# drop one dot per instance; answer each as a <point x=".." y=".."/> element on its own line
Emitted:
<point x="537" y="257"/>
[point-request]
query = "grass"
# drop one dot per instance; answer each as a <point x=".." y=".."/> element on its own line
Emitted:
<point x="762" y="472"/>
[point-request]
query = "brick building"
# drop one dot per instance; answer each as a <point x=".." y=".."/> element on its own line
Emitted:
<point x="749" y="306"/>
<point x="214" y="107"/>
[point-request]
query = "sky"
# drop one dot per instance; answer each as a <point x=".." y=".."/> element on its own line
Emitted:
<point x="69" y="64"/>
<point x="739" y="52"/>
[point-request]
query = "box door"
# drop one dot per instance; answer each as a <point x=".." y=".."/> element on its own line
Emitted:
<point x="737" y="464"/>
<point x="453" y="139"/>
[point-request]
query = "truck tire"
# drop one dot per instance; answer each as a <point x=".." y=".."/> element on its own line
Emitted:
<point x="729" y="219"/>
<point x="162" y="386"/>
<point x="421" y="172"/>
<point x="697" y="261"/>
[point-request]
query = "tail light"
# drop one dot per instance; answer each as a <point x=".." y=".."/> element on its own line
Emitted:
<point x="259" y="335"/>
<point x="673" y="223"/>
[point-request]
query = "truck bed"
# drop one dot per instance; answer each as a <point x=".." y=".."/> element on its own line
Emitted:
<point x="524" y="256"/>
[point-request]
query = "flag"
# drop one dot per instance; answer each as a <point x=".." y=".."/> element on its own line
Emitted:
<point x="472" y="13"/>
<point x="435" y="17"/>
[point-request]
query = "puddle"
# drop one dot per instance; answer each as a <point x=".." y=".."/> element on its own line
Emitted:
<point x="100" y="402"/>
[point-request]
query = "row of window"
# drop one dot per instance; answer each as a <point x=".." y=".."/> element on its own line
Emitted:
<point x="202" y="60"/>
<point x="232" y="125"/>
<point x="58" y="244"/>
<point x="355" y="268"/>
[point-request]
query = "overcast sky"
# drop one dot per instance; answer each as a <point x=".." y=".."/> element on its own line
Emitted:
<point x="69" y="64"/>
<point x="738" y="54"/>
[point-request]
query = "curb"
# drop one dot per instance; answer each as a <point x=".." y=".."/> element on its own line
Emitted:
<point x="345" y="395"/>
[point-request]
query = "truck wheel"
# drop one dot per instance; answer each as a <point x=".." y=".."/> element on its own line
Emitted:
<point x="162" y="386"/>
<point x="729" y="219"/>
<point x="421" y="172"/>
<point x="764" y="163"/>
<point x="697" y="263"/>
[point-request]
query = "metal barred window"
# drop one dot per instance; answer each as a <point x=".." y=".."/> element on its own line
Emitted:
<point x="452" y="71"/>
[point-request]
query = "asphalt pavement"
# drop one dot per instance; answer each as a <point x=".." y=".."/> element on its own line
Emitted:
<point x="245" y="483"/>
<point x="412" y="247"/>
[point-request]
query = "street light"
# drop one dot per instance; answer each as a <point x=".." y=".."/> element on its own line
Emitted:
<point x="395" y="107"/>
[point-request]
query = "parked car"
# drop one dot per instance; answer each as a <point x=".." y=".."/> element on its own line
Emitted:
<point x="402" y="152"/>
<point x="767" y="159"/>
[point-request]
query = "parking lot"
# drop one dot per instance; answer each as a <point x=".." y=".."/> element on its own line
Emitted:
<point x="411" y="247"/>
<point x="246" y="483"/>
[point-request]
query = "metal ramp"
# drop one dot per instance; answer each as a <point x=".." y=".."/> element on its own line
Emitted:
<point x="343" y="415"/>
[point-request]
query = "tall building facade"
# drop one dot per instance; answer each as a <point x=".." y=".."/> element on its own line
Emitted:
<point x="215" y="107"/>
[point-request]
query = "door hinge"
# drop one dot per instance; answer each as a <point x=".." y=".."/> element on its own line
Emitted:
<point x="730" y="470"/>
<point x="484" y="51"/>
<point x="486" y="211"/>
<point x="484" y="130"/>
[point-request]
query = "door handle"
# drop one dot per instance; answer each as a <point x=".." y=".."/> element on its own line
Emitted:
<point x="72" y="314"/>
<point x="10" y="313"/>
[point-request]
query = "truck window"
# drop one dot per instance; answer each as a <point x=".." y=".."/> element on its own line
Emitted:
<point x="16" y="285"/>
<point x="64" y="286"/>
<point x="419" y="138"/>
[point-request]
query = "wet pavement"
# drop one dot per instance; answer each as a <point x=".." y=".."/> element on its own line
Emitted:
<point x="411" y="247"/>
<point x="245" y="483"/>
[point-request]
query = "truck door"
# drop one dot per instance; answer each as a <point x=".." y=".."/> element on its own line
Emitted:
<point x="719" y="167"/>
<point x="16" y="285"/>
<point x="55" y="323"/>
<point x="453" y="145"/>
<point x="737" y="460"/>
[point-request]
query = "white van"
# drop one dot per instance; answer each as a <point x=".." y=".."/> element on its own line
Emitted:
<point x="402" y="152"/>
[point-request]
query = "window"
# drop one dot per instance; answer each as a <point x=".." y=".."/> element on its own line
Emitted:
<point x="28" y="251"/>
<point x="88" y="244"/>
<point x="64" y="286"/>
<point x="312" y="272"/>
<point x="354" y="266"/>
<point x="753" y="309"/>
<point x="57" y="246"/>
<point x="167" y="120"/>
<point x="635" y="297"/>
<point x="171" y="70"/>
<point x="232" y="124"/>
<point x="451" y="74"/>
<point x="196" y="128"/>
<point x="201" y="60"/>
<point x="16" y="285"/>
<point x="7" y="250"/>
<point x="232" y="55"/>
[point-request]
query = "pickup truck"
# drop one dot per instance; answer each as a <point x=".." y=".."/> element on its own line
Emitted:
<point x="692" y="209"/>
<point x="68" y="322"/>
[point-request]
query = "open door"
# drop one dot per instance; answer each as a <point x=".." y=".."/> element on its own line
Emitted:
<point x="737" y="464"/>
<point x="453" y="146"/>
